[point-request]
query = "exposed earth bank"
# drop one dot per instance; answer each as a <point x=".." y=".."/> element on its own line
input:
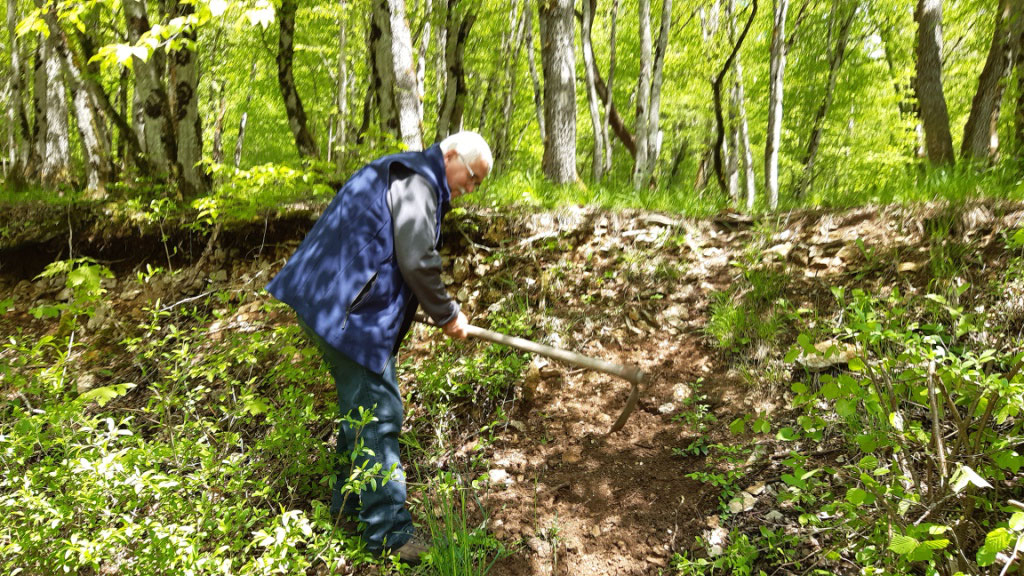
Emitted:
<point x="630" y="287"/>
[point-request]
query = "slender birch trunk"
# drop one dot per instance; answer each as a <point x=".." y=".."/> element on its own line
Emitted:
<point x="643" y="97"/>
<point x="589" y="6"/>
<point x="240" y="139"/>
<point x="56" y="148"/>
<point x="421" y="59"/>
<point x="341" y="132"/>
<point x="407" y="97"/>
<point x="716" y="89"/>
<point x="749" y="180"/>
<point x="559" y="64"/>
<point x="511" y="83"/>
<point x="611" y="80"/>
<point x="774" y="136"/>
<point x="538" y="102"/>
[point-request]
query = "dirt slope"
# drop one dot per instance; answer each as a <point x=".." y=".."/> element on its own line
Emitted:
<point x="564" y="496"/>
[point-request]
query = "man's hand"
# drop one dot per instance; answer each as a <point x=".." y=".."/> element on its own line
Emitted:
<point x="456" y="327"/>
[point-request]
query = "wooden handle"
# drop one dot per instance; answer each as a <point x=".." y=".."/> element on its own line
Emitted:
<point x="624" y="371"/>
<point x="630" y="373"/>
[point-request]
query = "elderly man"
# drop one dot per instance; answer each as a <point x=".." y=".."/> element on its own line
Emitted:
<point x="355" y="283"/>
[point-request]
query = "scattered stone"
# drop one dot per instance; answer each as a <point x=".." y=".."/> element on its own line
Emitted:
<point x="908" y="267"/>
<point x="756" y="489"/>
<point x="831" y="353"/>
<point x="660" y="562"/>
<point x="573" y="455"/>
<point x="596" y="532"/>
<point x="219" y="276"/>
<point x="499" y="476"/>
<point x="667" y="408"/>
<point x="775" y="517"/>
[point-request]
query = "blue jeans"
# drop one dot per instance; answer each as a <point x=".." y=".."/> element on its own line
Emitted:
<point x="388" y="522"/>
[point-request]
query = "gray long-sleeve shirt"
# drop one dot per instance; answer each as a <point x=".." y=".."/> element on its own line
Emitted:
<point x="413" y="205"/>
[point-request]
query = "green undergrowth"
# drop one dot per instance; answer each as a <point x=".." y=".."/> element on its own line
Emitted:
<point x="193" y="438"/>
<point x="918" y="416"/>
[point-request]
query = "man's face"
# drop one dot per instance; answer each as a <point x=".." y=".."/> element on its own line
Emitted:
<point x="463" y="177"/>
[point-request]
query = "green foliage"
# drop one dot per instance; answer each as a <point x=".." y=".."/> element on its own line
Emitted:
<point x="920" y="370"/>
<point x="193" y="467"/>
<point x="461" y="547"/>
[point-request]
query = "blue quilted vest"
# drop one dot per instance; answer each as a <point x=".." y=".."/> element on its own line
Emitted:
<point x="343" y="280"/>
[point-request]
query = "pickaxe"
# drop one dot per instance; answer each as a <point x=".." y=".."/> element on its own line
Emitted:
<point x="627" y="372"/>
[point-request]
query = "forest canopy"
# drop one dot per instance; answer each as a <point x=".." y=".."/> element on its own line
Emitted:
<point x="733" y="101"/>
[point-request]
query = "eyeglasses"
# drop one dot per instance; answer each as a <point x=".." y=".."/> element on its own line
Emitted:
<point x="472" y="175"/>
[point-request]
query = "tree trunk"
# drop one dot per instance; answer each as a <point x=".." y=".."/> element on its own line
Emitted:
<point x="184" y="74"/>
<point x="648" y="108"/>
<point x="217" y="154"/>
<point x="454" y="102"/>
<point x="559" y="65"/>
<point x="774" y="136"/>
<point x="341" y="132"/>
<point x="56" y="165"/>
<point x="406" y="96"/>
<point x="19" y="133"/>
<point x="503" y="147"/>
<point x="421" y="61"/>
<point x="304" y="140"/>
<point x="934" y="114"/>
<point x="589" y="6"/>
<point x="240" y="139"/>
<point x="750" y="182"/>
<point x="537" y="94"/>
<point x="159" y="142"/>
<point x="643" y="97"/>
<point x="1018" y="116"/>
<point x="611" y="80"/>
<point x="716" y="88"/>
<point x="835" y="63"/>
<point x="981" y="137"/>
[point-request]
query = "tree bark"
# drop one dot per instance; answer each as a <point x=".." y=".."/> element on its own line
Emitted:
<point x="589" y="6"/>
<point x="56" y="155"/>
<point x="240" y="139"/>
<point x="341" y="132"/>
<point x="836" y="58"/>
<point x="559" y="65"/>
<point x="184" y="75"/>
<point x="749" y="180"/>
<point x="406" y="95"/>
<point x="774" y="135"/>
<point x="454" y="101"/>
<point x="538" y="101"/>
<point x="421" y="62"/>
<point x="304" y="140"/>
<point x="934" y="114"/>
<point x="159" y="143"/>
<point x="981" y="137"/>
<point x="643" y="97"/>
<point x="716" y="87"/>
<point x="1018" y="116"/>
<point x="511" y="83"/>
<point x="648" y="109"/>
<point x="20" y="141"/>
<point x="611" y="81"/>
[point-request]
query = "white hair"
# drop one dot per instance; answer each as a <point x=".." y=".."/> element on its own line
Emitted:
<point x="471" y="146"/>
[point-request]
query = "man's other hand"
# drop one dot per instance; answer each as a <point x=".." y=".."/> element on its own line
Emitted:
<point x="456" y="327"/>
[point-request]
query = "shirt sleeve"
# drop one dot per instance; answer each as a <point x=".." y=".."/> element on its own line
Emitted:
<point x="413" y="205"/>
